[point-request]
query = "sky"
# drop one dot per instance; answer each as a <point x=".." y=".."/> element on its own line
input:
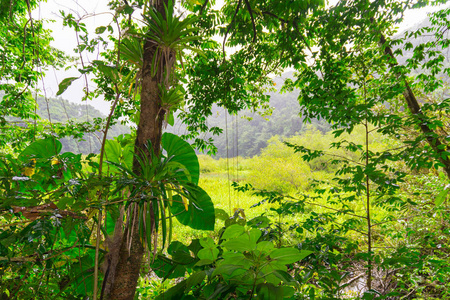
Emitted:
<point x="65" y="40"/>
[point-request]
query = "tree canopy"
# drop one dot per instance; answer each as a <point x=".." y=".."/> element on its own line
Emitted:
<point x="80" y="226"/>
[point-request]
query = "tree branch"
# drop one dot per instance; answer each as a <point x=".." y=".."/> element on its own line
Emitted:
<point x="229" y="28"/>
<point x="203" y="7"/>
<point x="415" y="109"/>
<point x="249" y="8"/>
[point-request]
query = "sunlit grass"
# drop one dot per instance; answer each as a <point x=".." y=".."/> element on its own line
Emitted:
<point x="226" y="198"/>
<point x="278" y="168"/>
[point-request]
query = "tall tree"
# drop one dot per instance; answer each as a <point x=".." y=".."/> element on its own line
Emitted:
<point x="159" y="56"/>
<point x="267" y="34"/>
<point x="354" y="79"/>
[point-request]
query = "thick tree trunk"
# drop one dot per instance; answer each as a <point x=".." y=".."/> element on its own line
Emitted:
<point x="151" y="114"/>
<point x="124" y="277"/>
<point x="126" y="273"/>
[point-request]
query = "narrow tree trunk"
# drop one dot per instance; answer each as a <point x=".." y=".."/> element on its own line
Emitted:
<point x="414" y="107"/>
<point x="126" y="274"/>
<point x="151" y="114"/>
<point x="368" y="215"/>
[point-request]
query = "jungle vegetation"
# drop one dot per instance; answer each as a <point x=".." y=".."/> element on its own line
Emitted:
<point x="352" y="204"/>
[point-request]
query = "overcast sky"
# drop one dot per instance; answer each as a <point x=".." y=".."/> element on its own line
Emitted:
<point x="65" y="39"/>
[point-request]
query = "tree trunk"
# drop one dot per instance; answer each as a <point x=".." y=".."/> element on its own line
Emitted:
<point x="432" y="138"/>
<point x="123" y="279"/>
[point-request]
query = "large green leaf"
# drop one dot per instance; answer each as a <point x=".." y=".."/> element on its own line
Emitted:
<point x="45" y="148"/>
<point x="233" y="231"/>
<point x="118" y="154"/>
<point x="241" y="244"/>
<point x="209" y="251"/>
<point x="180" y="253"/>
<point x="180" y="151"/>
<point x="442" y="196"/>
<point x="289" y="255"/>
<point x="200" y="213"/>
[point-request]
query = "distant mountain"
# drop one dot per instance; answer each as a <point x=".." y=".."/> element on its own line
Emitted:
<point x="62" y="110"/>
<point x="248" y="137"/>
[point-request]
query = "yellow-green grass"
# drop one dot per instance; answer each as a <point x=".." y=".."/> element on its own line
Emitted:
<point x="226" y="198"/>
<point x="279" y="168"/>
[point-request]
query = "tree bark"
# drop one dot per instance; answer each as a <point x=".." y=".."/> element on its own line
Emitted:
<point x="126" y="274"/>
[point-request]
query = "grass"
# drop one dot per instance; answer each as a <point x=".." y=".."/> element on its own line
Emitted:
<point x="224" y="197"/>
<point x="278" y="168"/>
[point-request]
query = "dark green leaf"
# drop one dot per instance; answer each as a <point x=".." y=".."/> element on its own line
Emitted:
<point x="200" y="213"/>
<point x="63" y="85"/>
<point x="195" y="279"/>
<point x="180" y="151"/>
<point x="45" y="149"/>
<point x="100" y="29"/>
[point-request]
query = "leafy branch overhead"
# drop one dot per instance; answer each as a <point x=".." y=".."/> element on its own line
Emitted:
<point x="353" y="205"/>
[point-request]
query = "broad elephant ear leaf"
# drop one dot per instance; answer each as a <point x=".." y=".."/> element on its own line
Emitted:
<point x="180" y="151"/>
<point x="44" y="148"/>
<point x="200" y="213"/>
<point x="116" y="153"/>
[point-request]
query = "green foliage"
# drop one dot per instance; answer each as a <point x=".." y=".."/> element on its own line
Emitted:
<point x="171" y="35"/>
<point x="38" y="232"/>
<point x="367" y="198"/>
<point x="55" y="195"/>
<point x="64" y="85"/>
<point x="180" y="151"/>
<point x="199" y="214"/>
<point x="26" y="54"/>
<point x="164" y="182"/>
<point x="241" y="264"/>
<point x="42" y="149"/>
<point x="277" y="169"/>
<point x="119" y="152"/>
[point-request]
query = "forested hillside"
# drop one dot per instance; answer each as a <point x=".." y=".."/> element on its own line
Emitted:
<point x="66" y="119"/>
<point x="62" y="111"/>
<point x="246" y="133"/>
